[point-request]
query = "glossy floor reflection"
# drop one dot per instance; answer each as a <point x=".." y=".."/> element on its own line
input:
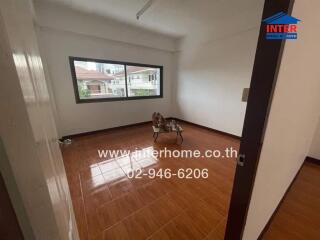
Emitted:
<point x="110" y="205"/>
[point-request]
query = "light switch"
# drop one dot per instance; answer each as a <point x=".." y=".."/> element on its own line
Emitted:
<point x="245" y="94"/>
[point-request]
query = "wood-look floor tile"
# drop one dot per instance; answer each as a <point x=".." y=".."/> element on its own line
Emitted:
<point x="109" y="205"/>
<point x="119" y="208"/>
<point x="130" y="167"/>
<point x="80" y="215"/>
<point x="218" y="232"/>
<point x="164" y="210"/>
<point x="147" y="162"/>
<point x="125" y="160"/>
<point x="160" y="235"/>
<point x="89" y="173"/>
<point x="94" y="225"/>
<point x="280" y="233"/>
<point x="120" y="187"/>
<point x="293" y="222"/>
<point x="197" y="188"/>
<point x="117" y="232"/>
<point x="170" y="209"/>
<point x="97" y="198"/>
<point x="182" y="227"/>
<point x="183" y="198"/>
<point x="107" y="166"/>
<point x="219" y="202"/>
<point x="204" y="218"/>
<point x="140" y="225"/>
<point x="298" y="216"/>
<point x="74" y="186"/>
<point x="114" y="175"/>
<point x="93" y="184"/>
<point x="150" y="191"/>
<point x="142" y="180"/>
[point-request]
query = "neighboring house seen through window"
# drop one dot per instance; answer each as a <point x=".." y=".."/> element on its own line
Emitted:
<point x="101" y="80"/>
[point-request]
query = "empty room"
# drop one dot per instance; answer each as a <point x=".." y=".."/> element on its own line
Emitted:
<point x="159" y="119"/>
<point x="109" y="77"/>
<point x="112" y="74"/>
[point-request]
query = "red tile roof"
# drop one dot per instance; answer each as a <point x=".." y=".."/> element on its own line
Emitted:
<point x="85" y="74"/>
<point x="132" y="69"/>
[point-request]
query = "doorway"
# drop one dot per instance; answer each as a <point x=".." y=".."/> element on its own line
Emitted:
<point x="268" y="56"/>
<point x="264" y="77"/>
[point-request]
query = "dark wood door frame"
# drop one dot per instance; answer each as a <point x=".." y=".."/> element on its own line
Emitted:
<point x="264" y="76"/>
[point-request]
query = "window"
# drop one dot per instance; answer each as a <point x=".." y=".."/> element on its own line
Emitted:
<point x="101" y="80"/>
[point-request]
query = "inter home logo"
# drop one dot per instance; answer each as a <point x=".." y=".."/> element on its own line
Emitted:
<point x="281" y="26"/>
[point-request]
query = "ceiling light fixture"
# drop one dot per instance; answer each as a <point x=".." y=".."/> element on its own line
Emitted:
<point x="144" y="8"/>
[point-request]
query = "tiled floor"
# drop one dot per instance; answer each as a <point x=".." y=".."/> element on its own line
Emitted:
<point x="298" y="217"/>
<point x="109" y="205"/>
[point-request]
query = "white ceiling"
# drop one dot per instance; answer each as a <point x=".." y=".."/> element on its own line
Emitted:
<point x="175" y="18"/>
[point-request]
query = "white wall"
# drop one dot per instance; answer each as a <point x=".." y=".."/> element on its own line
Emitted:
<point x="315" y="146"/>
<point x="213" y="69"/>
<point x="292" y="121"/>
<point x="211" y="78"/>
<point x="59" y="17"/>
<point x="205" y="88"/>
<point x="57" y="45"/>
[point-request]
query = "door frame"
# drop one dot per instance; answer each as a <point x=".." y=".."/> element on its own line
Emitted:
<point x="264" y="77"/>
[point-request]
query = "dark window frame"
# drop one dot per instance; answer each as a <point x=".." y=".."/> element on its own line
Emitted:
<point x="125" y="64"/>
